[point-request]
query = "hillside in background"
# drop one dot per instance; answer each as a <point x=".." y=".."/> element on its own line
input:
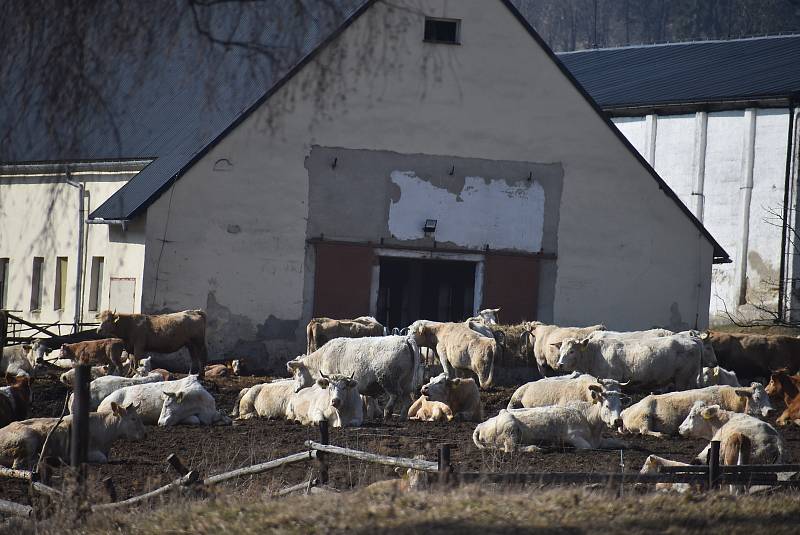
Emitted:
<point x="570" y="24"/>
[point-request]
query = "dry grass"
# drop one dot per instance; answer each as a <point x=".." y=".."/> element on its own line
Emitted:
<point x="468" y="510"/>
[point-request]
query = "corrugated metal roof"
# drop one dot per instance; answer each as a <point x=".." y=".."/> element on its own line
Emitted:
<point x="693" y="72"/>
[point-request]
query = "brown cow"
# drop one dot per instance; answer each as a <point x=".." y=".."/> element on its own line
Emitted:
<point x="96" y="353"/>
<point x="755" y="355"/>
<point x="161" y="333"/>
<point x="15" y="399"/>
<point x="320" y="331"/>
<point x="786" y="387"/>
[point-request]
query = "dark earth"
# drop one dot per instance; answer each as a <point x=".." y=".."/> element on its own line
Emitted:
<point x="137" y="467"/>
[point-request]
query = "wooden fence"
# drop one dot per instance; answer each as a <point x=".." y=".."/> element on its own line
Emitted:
<point x="711" y="476"/>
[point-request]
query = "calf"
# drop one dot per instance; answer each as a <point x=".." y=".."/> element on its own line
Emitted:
<point x="267" y="400"/>
<point x="333" y="398"/>
<point x="96" y="352"/>
<point x="159" y="333"/>
<point x="219" y="370"/>
<point x="561" y="390"/>
<point x="21" y="442"/>
<point x="190" y="404"/>
<point x="717" y="375"/>
<point x="15" y="399"/>
<point x="578" y="424"/>
<point x="660" y="415"/>
<point x="459" y="348"/>
<point x="68" y="377"/>
<point x="320" y="331"/>
<point x="711" y="422"/>
<point x="429" y="411"/>
<point x="460" y="395"/>
<point x="652" y="465"/>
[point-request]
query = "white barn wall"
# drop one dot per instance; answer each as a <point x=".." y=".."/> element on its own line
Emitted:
<point x="677" y="143"/>
<point x="627" y="255"/>
<point x="38" y="217"/>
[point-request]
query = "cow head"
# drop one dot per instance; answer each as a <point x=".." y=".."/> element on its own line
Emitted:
<point x="171" y="413"/>
<point x="489" y="316"/>
<point x="130" y="423"/>
<point x="570" y="353"/>
<point x="340" y="388"/>
<point x="698" y="423"/>
<point x="302" y="377"/>
<point x="108" y="323"/>
<point x="757" y="400"/>
<point x="36" y="352"/>
<point x="610" y="402"/>
<point x="436" y="389"/>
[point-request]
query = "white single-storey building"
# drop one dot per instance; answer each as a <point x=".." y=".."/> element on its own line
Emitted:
<point x="718" y="121"/>
<point x="462" y="167"/>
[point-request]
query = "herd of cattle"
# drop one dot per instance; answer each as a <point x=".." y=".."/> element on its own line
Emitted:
<point x="588" y="375"/>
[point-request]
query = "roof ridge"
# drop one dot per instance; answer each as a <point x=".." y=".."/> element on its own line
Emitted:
<point x="683" y="43"/>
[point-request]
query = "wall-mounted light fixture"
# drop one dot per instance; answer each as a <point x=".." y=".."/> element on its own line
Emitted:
<point x="430" y="227"/>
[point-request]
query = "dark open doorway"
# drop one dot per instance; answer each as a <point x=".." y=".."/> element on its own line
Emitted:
<point x="412" y="289"/>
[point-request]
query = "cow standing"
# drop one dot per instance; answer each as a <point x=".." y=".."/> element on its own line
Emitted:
<point x="320" y="331"/>
<point x="160" y="333"/>
<point x="755" y="356"/>
<point x="96" y="353"/>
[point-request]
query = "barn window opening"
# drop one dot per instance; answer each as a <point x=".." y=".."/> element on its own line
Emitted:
<point x="36" y="283"/>
<point x="3" y="281"/>
<point x="60" y="293"/>
<point x="96" y="283"/>
<point x="447" y="31"/>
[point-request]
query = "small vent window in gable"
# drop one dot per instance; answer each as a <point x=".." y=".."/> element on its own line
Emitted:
<point x="443" y="31"/>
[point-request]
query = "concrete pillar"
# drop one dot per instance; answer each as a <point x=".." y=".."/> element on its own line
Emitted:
<point x="699" y="164"/>
<point x="745" y="195"/>
<point x="651" y="128"/>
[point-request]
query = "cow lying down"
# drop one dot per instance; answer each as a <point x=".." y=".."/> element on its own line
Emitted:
<point x="578" y="424"/>
<point x="21" y="442"/>
<point x="711" y="422"/>
<point x="15" y="399"/>
<point x="166" y="403"/>
<point x="660" y="415"/>
<point x="267" y="400"/>
<point x="102" y="387"/>
<point x="445" y="399"/>
<point x="561" y="390"/>
<point x="334" y="398"/>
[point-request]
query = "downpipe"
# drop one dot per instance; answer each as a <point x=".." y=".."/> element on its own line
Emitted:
<point x="79" y="258"/>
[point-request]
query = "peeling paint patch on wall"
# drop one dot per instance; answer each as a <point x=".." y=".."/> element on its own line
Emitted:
<point x="506" y="216"/>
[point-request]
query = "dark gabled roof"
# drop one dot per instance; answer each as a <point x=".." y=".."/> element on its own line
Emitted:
<point x="689" y="73"/>
<point x="177" y="125"/>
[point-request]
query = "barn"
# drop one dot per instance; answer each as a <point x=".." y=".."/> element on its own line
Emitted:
<point x="457" y="166"/>
<point x="718" y="121"/>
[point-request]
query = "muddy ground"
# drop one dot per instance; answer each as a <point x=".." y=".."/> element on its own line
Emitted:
<point x="137" y="467"/>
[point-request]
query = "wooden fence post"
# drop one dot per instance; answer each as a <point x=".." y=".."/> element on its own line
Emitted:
<point x="713" y="465"/>
<point x="444" y="467"/>
<point x="177" y="464"/>
<point x="108" y="483"/>
<point x="80" y="417"/>
<point x="322" y="458"/>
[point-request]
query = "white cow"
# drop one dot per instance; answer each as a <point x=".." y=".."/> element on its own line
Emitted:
<point x="561" y="390"/>
<point x="717" y="375"/>
<point x="17" y="360"/>
<point x="68" y="377"/>
<point x="334" y="398"/>
<point x="148" y="396"/>
<point x="389" y="364"/>
<point x="660" y="415"/>
<point x="487" y="316"/>
<point x="21" y="442"/>
<point x="631" y="335"/>
<point x="544" y="339"/>
<point x="267" y="400"/>
<point x="190" y="404"/>
<point x="104" y="386"/>
<point x="652" y="465"/>
<point x="578" y="423"/>
<point x="710" y="422"/>
<point x="646" y="363"/>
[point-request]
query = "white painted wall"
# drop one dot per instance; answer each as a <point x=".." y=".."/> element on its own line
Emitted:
<point x="515" y="212"/>
<point x="39" y="217"/>
<point x="677" y="143"/>
<point x="627" y="255"/>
